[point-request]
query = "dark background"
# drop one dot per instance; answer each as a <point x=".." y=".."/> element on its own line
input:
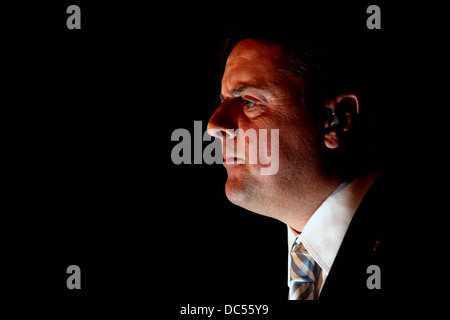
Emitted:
<point x="87" y="121"/>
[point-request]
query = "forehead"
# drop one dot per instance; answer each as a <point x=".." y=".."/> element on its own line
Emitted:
<point x="251" y="59"/>
<point x="251" y="50"/>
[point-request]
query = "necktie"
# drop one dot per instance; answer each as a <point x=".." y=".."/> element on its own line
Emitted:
<point x="304" y="274"/>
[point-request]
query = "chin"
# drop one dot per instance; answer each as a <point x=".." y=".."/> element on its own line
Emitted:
<point x="245" y="194"/>
<point x="240" y="192"/>
<point x="246" y="188"/>
<point x="236" y="194"/>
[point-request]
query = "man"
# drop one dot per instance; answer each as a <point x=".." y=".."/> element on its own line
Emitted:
<point x="344" y="240"/>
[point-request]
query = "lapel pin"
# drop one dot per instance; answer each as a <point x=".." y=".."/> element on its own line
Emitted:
<point x="377" y="243"/>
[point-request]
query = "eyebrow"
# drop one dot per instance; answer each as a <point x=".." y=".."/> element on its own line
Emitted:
<point x="241" y="89"/>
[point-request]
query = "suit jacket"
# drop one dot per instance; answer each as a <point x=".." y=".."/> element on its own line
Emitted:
<point x="390" y="230"/>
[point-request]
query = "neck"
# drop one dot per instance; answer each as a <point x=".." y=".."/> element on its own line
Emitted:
<point x="301" y="210"/>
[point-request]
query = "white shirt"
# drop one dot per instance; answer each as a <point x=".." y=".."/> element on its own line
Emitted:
<point x="323" y="233"/>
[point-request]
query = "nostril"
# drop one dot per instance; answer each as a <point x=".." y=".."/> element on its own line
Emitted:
<point x="214" y="132"/>
<point x="230" y="133"/>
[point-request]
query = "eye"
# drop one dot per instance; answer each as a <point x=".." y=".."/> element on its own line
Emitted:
<point x="249" y="103"/>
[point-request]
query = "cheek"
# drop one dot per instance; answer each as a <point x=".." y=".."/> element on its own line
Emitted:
<point x="298" y="143"/>
<point x="296" y="137"/>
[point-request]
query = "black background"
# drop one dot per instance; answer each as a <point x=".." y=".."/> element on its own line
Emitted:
<point x="87" y="121"/>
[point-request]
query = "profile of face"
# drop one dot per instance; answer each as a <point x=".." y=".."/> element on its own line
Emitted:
<point x="257" y="93"/>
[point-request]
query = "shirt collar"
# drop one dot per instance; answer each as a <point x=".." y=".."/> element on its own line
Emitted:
<point x="323" y="233"/>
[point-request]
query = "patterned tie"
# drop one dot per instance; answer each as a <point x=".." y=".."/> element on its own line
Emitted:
<point x="304" y="274"/>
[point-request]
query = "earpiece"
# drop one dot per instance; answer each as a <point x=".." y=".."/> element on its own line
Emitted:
<point x="341" y="113"/>
<point x="333" y="122"/>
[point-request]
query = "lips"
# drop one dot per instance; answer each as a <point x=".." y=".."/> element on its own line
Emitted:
<point x="232" y="161"/>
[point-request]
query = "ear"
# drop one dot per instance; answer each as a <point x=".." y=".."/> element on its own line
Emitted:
<point x="342" y="110"/>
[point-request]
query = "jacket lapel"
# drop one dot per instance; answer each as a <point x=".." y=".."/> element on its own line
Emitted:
<point x="366" y="243"/>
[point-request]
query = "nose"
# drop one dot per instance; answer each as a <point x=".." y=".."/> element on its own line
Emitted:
<point x="225" y="117"/>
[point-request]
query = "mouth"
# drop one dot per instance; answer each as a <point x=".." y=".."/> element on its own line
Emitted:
<point x="230" y="162"/>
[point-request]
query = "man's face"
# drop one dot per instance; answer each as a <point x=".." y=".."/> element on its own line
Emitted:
<point x="257" y="93"/>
